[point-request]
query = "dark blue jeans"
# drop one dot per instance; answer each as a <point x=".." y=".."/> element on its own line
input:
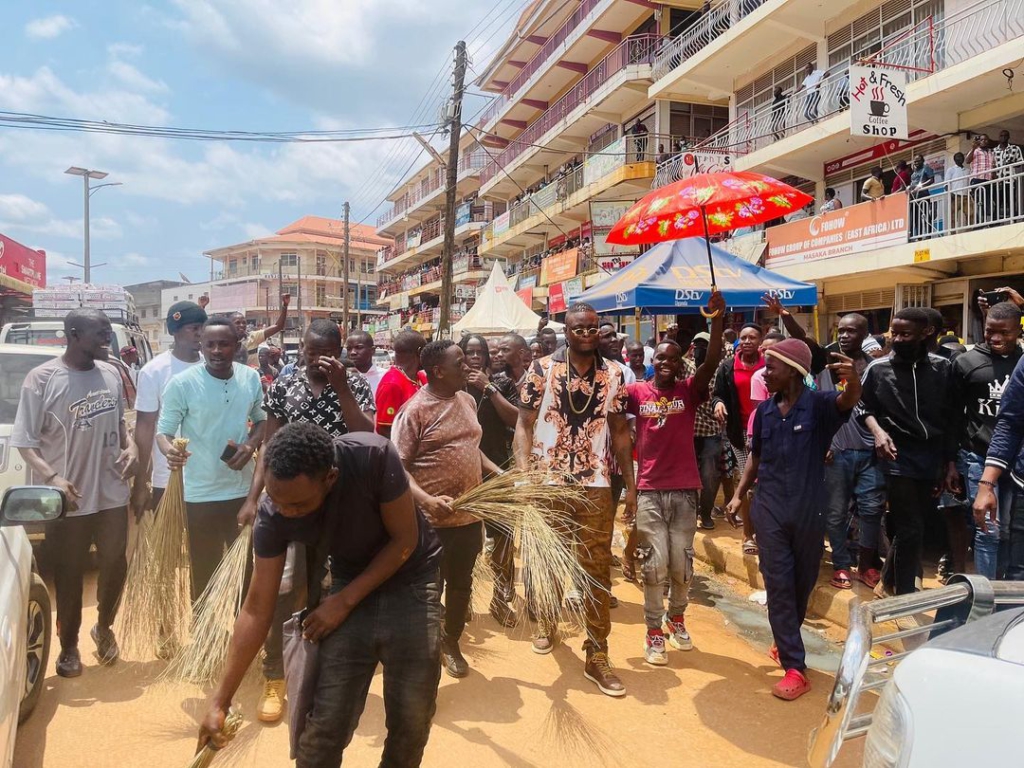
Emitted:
<point x="709" y="450"/>
<point x="853" y="475"/>
<point x="398" y="626"/>
<point x="988" y="539"/>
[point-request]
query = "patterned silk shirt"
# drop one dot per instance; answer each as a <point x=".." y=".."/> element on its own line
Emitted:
<point x="571" y="437"/>
<point x="290" y="398"/>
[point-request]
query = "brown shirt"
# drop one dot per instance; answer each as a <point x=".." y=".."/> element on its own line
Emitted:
<point x="438" y="440"/>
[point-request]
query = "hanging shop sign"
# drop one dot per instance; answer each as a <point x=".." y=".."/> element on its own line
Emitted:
<point x="878" y="102"/>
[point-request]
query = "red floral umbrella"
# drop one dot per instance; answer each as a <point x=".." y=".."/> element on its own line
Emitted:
<point x="707" y="204"/>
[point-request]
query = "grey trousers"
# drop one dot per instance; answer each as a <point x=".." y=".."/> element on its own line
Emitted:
<point x="666" y="522"/>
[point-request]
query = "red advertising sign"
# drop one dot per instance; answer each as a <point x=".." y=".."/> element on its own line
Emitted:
<point x="556" y="298"/>
<point x="21" y="263"/>
<point x="876" y="152"/>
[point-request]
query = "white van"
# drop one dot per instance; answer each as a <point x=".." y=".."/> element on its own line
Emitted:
<point x="49" y="332"/>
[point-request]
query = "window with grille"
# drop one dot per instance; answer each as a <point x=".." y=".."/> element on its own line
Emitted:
<point x="879" y="27"/>
<point x="789" y="75"/>
<point x="321" y="295"/>
<point x="289" y="259"/>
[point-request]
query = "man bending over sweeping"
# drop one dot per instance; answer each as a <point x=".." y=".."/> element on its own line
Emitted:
<point x="384" y="601"/>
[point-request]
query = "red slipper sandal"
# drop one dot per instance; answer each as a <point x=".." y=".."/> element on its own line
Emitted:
<point x="794" y="685"/>
<point x="841" y="579"/>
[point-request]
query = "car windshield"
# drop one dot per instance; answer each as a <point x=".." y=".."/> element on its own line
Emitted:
<point x="13" y="368"/>
<point x="35" y="336"/>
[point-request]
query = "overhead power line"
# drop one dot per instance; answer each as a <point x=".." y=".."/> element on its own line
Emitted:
<point x="47" y="122"/>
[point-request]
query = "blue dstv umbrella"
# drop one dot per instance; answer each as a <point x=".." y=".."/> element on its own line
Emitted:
<point x="674" y="277"/>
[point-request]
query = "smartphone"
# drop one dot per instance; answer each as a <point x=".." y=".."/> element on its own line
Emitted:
<point x="995" y="297"/>
<point x="229" y="452"/>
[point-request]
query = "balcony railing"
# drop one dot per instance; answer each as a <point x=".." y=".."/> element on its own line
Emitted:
<point x="930" y="46"/>
<point x="624" y="151"/>
<point x="687" y="163"/>
<point x="474" y="160"/>
<point x="430" y="230"/>
<point x="701" y="33"/>
<point x="555" y="43"/>
<point x="461" y="263"/>
<point x="956" y="207"/>
<point x="633" y="51"/>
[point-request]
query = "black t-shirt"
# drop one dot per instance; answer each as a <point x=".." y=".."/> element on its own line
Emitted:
<point x="370" y="474"/>
<point x="496" y="442"/>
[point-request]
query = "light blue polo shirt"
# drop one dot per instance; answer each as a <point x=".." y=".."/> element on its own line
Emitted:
<point x="210" y="412"/>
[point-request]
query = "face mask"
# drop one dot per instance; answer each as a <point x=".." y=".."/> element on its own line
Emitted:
<point x="908" y="350"/>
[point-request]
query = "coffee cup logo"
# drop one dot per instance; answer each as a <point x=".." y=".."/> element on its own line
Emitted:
<point x="879" y="108"/>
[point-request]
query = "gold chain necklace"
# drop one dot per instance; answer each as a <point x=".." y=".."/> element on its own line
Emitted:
<point x="568" y="384"/>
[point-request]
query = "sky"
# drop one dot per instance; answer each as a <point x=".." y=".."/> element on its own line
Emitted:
<point x="253" y="65"/>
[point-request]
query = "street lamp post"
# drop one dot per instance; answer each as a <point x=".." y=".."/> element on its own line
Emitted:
<point x="87" y="192"/>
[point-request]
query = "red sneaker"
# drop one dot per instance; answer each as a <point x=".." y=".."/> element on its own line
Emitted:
<point x="794" y="685"/>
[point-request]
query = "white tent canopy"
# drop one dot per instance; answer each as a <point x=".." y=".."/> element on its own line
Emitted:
<point x="499" y="310"/>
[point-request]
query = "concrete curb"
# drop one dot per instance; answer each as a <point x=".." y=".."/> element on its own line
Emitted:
<point x="722" y="549"/>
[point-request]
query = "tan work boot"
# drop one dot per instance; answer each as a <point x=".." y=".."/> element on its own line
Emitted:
<point x="599" y="671"/>
<point x="271" y="703"/>
<point x="544" y="637"/>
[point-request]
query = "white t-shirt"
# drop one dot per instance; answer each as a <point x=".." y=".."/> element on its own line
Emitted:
<point x="812" y="80"/>
<point x="373" y="377"/>
<point x="153" y="380"/>
<point x="957" y="179"/>
<point x="648" y="355"/>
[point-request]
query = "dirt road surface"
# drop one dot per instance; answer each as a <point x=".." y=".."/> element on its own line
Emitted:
<point x="711" y="706"/>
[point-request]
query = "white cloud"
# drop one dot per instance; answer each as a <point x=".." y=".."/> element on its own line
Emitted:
<point x="136" y="260"/>
<point x="124" y="50"/>
<point x="20" y="213"/>
<point x="131" y="77"/>
<point x="45" y="93"/>
<point x="254" y="231"/>
<point x="20" y="208"/>
<point x="49" y="27"/>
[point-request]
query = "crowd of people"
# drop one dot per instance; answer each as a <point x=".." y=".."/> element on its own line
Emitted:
<point x="336" y="459"/>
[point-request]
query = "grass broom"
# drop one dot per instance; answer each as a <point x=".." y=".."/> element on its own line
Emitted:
<point x="201" y="659"/>
<point x="534" y="514"/>
<point x="156" y="605"/>
<point x="232" y="723"/>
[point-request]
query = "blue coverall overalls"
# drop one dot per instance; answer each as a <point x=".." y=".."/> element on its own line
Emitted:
<point x="789" y="508"/>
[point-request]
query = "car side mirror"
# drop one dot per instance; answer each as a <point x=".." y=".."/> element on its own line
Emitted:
<point x="32" y="504"/>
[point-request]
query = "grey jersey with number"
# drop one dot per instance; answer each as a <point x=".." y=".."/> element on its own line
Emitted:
<point x="74" y="419"/>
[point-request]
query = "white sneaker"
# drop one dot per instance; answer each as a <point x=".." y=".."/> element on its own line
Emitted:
<point x="654" y="648"/>
<point x="678" y="637"/>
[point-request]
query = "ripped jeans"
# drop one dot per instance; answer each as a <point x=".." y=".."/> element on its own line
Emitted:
<point x="666" y="522"/>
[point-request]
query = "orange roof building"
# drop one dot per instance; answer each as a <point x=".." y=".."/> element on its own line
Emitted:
<point x="306" y="260"/>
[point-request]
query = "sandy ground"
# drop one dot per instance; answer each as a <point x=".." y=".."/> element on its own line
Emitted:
<point x="710" y="707"/>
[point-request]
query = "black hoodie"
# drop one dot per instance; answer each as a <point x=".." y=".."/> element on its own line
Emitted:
<point x="913" y="403"/>
<point x="979" y="378"/>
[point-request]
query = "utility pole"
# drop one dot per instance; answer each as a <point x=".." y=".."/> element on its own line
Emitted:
<point x="280" y="291"/>
<point x="452" y="177"/>
<point x="344" y="268"/>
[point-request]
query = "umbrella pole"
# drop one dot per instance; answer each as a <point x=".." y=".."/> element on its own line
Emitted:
<point x="711" y="262"/>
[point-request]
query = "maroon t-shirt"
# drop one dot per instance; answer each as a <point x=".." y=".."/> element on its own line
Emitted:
<point x="664" y="435"/>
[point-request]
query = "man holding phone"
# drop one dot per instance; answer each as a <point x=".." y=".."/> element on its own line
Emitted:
<point x="213" y="405"/>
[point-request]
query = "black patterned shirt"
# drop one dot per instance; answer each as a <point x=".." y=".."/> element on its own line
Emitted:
<point x="290" y="398"/>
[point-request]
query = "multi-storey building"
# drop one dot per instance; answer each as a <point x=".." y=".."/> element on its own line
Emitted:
<point x="573" y="137"/>
<point x="409" y="269"/>
<point x="305" y="259"/>
<point x="784" y="68"/>
<point x="551" y="163"/>
<point x="148" y="303"/>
